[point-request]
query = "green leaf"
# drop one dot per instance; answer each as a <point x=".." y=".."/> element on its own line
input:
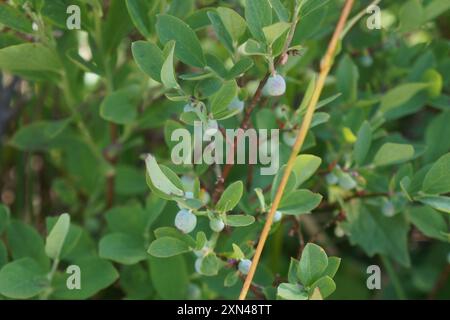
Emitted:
<point x="172" y="232"/>
<point x="275" y="31"/>
<point x="72" y="239"/>
<point x="210" y="265"/>
<point x="437" y="128"/>
<point x="305" y="166"/>
<point x="25" y="241"/>
<point x="332" y="267"/>
<point x="188" y="48"/>
<point x="313" y="264"/>
<point x="281" y="11"/>
<point x="435" y="82"/>
<point x="122" y="248"/>
<point x="300" y="202"/>
<point x="411" y="15"/>
<point x="159" y="179"/>
<point x="221" y="31"/>
<point x="118" y="107"/>
<point x="240" y="68"/>
<point x="293" y="271"/>
<point x="222" y="99"/>
<point x="378" y="234"/>
<point x="22" y="279"/>
<point x="325" y="285"/>
<point x="3" y="255"/>
<point x="138" y="10"/>
<point x="239" y="220"/>
<point x="169" y="277"/>
<point x="14" y="19"/>
<point x="288" y="291"/>
<point x="55" y="239"/>
<point x="231" y="279"/>
<point x="258" y="14"/>
<point x="135" y="281"/>
<point x="149" y="58"/>
<point x="4" y="217"/>
<point x="168" y="72"/>
<point x="429" y="222"/>
<point x="18" y="58"/>
<point x="363" y="143"/>
<point x="437" y="180"/>
<point x="88" y="66"/>
<point x="393" y="153"/>
<point x="168" y="247"/>
<point x="400" y="95"/>
<point x="237" y="252"/>
<point x="230" y="197"/>
<point x="234" y="23"/>
<point x="435" y="8"/>
<point x="96" y="274"/>
<point x="347" y="79"/>
<point x="290" y="186"/>
<point x="38" y="135"/>
<point x="439" y="203"/>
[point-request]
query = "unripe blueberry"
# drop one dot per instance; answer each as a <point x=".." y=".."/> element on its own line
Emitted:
<point x="189" y="108"/>
<point x="194" y="292"/>
<point x="388" y="208"/>
<point x="366" y="61"/>
<point x="346" y="181"/>
<point x="198" y="265"/>
<point x="277" y="217"/>
<point x="189" y="195"/>
<point x="331" y="178"/>
<point x="275" y="86"/>
<point x="244" y="266"/>
<point x="216" y="225"/>
<point x="290" y="137"/>
<point x="236" y="104"/>
<point x="188" y="182"/>
<point x="281" y="112"/>
<point x="185" y="221"/>
<point x="339" y="232"/>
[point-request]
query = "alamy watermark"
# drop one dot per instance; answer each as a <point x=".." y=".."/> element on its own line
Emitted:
<point x="228" y="146"/>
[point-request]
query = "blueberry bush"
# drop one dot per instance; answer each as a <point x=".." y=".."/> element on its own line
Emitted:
<point x="94" y="204"/>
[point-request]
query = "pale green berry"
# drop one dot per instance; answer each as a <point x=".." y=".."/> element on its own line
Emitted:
<point x="290" y="137"/>
<point x="198" y="265"/>
<point x="244" y="266"/>
<point x="236" y="105"/>
<point x="388" y="208"/>
<point x="366" y="61"/>
<point x="275" y="86"/>
<point x="188" y="183"/>
<point x="216" y="225"/>
<point x="346" y="181"/>
<point x="194" y="292"/>
<point x="332" y="179"/>
<point x="277" y="217"/>
<point x="189" y="108"/>
<point x="189" y="195"/>
<point x="185" y="221"/>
